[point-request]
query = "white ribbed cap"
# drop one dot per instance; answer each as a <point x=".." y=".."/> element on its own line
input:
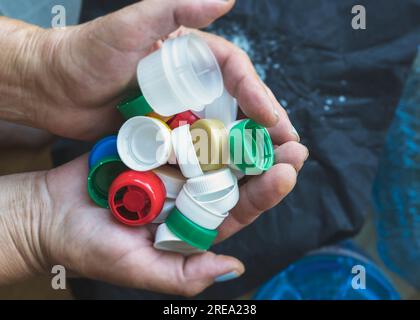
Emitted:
<point x="167" y="241"/>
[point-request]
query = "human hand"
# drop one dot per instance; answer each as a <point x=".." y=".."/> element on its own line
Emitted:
<point x="90" y="67"/>
<point x="87" y="240"/>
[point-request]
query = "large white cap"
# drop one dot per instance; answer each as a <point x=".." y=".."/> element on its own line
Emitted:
<point x="193" y="210"/>
<point x="182" y="75"/>
<point x="211" y="182"/>
<point x="217" y="191"/>
<point x="166" y="240"/>
<point x="172" y="179"/>
<point x="221" y="201"/>
<point x="144" y="143"/>
<point x="168" y="205"/>
<point x="185" y="152"/>
<point x="224" y="108"/>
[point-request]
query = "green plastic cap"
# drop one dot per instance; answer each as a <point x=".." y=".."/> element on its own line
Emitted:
<point x="134" y="106"/>
<point x="251" y="142"/>
<point x="101" y="177"/>
<point x="189" y="231"/>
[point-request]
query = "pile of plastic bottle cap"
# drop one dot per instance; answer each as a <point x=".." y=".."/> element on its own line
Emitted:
<point x="177" y="158"/>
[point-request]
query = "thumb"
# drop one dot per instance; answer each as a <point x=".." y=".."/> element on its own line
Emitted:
<point x="139" y="26"/>
<point x="188" y="276"/>
<point x="203" y="270"/>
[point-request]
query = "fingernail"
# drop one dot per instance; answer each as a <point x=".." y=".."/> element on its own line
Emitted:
<point x="295" y="133"/>
<point x="227" y="276"/>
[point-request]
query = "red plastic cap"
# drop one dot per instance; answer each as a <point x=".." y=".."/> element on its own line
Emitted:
<point x="180" y="119"/>
<point x="136" y="198"/>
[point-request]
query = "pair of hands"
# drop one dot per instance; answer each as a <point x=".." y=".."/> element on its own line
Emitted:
<point x="79" y="76"/>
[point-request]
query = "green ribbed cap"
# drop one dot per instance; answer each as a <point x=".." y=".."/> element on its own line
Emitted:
<point x="253" y="144"/>
<point x="189" y="231"/>
<point x="101" y="177"/>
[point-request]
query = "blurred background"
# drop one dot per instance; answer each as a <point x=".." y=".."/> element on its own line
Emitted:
<point x="354" y="97"/>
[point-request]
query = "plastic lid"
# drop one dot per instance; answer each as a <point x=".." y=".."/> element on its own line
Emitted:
<point x="197" y="213"/>
<point x="224" y="108"/>
<point x="185" y="152"/>
<point x="221" y="201"/>
<point x="251" y="148"/>
<point x="136" y="198"/>
<point x="210" y="143"/>
<point x="100" y="178"/>
<point x="211" y="182"/>
<point x="133" y="107"/>
<point x="144" y="143"/>
<point x="172" y="179"/>
<point x="167" y="208"/>
<point x="166" y="240"/>
<point x="183" y="74"/>
<point x="190" y="232"/>
<point x="186" y="117"/>
<point x="106" y="147"/>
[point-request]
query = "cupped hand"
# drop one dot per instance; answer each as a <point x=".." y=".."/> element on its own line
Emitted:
<point x="92" y="66"/>
<point x="89" y="241"/>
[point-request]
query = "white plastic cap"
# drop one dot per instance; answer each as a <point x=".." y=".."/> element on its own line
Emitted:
<point x="167" y="208"/>
<point x="167" y="241"/>
<point x="224" y="108"/>
<point x="144" y="143"/>
<point x="182" y="75"/>
<point x="216" y="191"/>
<point x="172" y="179"/>
<point x="221" y="201"/>
<point x="193" y="210"/>
<point x="184" y="150"/>
<point x="211" y="182"/>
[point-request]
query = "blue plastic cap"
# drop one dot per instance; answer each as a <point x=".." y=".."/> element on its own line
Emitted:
<point x="106" y="147"/>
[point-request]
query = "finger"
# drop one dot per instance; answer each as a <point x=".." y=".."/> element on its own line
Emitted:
<point x="283" y="131"/>
<point x="188" y="276"/>
<point x="258" y="195"/>
<point x="242" y="81"/>
<point x="149" y="21"/>
<point x="292" y="153"/>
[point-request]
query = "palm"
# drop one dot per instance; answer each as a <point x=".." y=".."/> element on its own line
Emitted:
<point x="100" y="247"/>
